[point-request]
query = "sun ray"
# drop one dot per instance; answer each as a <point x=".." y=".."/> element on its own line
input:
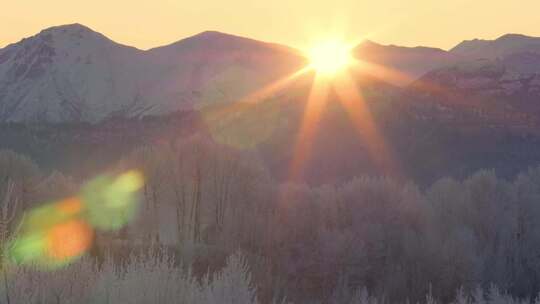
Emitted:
<point x="227" y="122"/>
<point x="274" y="87"/>
<point x="315" y="105"/>
<point x="353" y="102"/>
<point x="382" y="72"/>
<point x="328" y="75"/>
<point x="257" y="96"/>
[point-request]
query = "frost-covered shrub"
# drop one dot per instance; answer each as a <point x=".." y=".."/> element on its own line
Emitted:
<point x="231" y="285"/>
<point x="143" y="279"/>
<point x="70" y="285"/>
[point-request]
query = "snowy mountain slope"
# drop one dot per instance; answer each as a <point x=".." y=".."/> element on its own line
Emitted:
<point x="71" y="73"/>
<point x="68" y="73"/>
<point x="213" y="67"/>
<point x="502" y="92"/>
<point x="513" y="75"/>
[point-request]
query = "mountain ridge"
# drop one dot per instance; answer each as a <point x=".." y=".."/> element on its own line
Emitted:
<point x="411" y="62"/>
<point x="210" y="32"/>
<point x="71" y="73"/>
<point x="496" y="48"/>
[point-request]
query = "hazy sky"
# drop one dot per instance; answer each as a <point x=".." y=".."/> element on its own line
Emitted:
<point x="146" y="24"/>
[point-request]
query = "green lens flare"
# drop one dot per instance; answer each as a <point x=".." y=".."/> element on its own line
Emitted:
<point x="112" y="202"/>
<point x="129" y="182"/>
<point x="57" y="234"/>
<point x="26" y="249"/>
<point x="42" y="218"/>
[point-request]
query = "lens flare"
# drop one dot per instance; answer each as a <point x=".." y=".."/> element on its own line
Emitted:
<point x="70" y="206"/>
<point x="111" y="203"/>
<point x="27" y="249"/>
<point x="68" y="240"/>
<point x="57" y="234"/>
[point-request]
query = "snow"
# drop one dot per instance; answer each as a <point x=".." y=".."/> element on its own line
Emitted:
<point x="71" y="73"/>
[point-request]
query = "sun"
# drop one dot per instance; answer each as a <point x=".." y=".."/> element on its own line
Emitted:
<point x="330" y="57"/>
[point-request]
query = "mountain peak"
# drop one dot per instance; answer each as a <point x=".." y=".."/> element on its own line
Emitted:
<point x="219" y="37"/>
<point x="75" y="35"/>
<point x="220" y="41"/>
<point x="367" y="42"/>
<point x="74" y="30"/>
<point x="513" y="36"/>
<point x="498" y="48"/>
<point x="73" y="27"/>
<point x="212" y="33"/>
<point x="72" y="73"/>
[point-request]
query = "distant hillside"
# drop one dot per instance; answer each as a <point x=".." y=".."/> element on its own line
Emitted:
<point x="409" y="63"/>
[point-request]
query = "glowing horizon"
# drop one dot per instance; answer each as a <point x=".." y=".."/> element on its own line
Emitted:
<point x="146" y="24"/>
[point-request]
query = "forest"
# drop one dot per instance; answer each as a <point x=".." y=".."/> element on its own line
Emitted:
<point x="213" y="226"/>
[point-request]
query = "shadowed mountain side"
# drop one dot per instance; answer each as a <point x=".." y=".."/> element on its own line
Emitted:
<point x="408" y="63"/>
<point x="500" y="89"/>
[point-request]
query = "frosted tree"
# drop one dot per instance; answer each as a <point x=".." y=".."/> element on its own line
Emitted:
<point x="233" y="284"/>
<point x="21" y="171"/>
<point x="8" y="211"/>
<point x="462" y="297"/>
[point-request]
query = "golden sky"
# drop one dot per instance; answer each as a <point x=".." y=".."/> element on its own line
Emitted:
<point x="150" y="23"/>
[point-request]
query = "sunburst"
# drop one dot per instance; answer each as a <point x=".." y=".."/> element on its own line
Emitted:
<point x="329" y="57"/>
<point x="335" y="70"/>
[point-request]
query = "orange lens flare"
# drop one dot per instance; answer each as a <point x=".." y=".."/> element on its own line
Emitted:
<point x="70" y="206"/>
<point x="56" y="234"/>
<point x="69" y="240"/>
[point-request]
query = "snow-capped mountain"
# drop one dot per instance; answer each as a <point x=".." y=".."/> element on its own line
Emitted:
<point x="71" y="73"/>
<point x="506" y="69"/>
<point x="68" y="73"/>
<point x="513" y="76"/>
<point x="214" y="67"/>
<point x="498" y="92"/>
